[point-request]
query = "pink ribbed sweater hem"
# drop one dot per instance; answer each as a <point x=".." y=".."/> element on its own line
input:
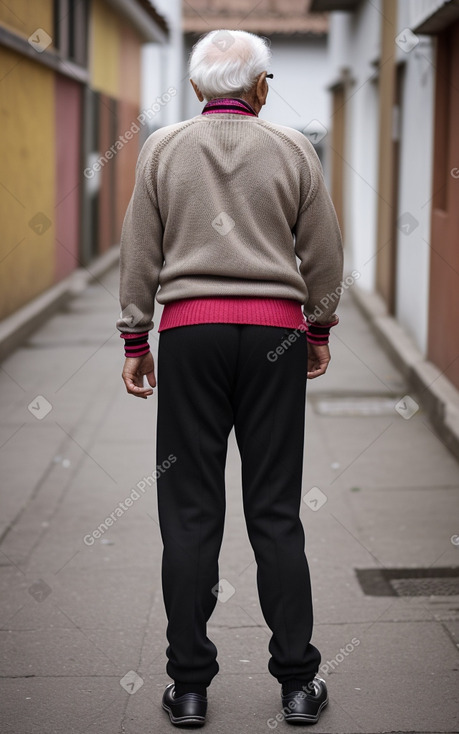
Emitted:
<point x="236" y="310"/>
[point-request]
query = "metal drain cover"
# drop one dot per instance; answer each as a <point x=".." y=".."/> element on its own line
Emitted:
<point x="426" y="587"/>
<point x="358" y="406"/>
<point x="409" y="581"/>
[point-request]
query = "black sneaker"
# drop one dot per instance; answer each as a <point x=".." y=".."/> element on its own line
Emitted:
<point x="187" y="710"/>
<point x="305" y="706"/>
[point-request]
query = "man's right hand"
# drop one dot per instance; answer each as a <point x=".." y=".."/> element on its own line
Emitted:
<point x="318" y="359"/>
<point x="134" y="370"/>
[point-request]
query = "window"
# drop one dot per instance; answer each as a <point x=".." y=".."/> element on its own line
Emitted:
<point x="71" y="30"/>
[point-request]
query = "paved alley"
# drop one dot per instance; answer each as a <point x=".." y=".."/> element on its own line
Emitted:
<point x="81" y="613"/>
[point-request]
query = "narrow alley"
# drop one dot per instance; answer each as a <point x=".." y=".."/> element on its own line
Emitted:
<point x="83" y="624"/>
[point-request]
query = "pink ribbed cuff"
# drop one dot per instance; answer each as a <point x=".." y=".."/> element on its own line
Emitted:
<point x="319" y="333"/>
<point x="135" y="345"/>
<point x="263" y="311"/>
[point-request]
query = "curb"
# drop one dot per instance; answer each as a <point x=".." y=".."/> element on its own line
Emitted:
<point x="437" y="394"/>
<point x="17" y="327"/>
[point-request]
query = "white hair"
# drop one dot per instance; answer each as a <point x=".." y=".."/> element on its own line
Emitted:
<point x="226" y="63"/>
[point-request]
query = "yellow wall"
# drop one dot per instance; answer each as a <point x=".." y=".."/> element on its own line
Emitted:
<point x="28" y="165"/>
<point x="28" y="138"/>
<point x="104" y="49"/>
<point x="25" y="16"/>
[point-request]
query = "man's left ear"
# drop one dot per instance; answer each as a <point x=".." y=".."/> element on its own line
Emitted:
<point x="262" y="88"/>
<point x="198" y="92"/>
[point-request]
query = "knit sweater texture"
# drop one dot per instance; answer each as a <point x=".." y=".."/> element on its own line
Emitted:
<point x="222" y="206"/>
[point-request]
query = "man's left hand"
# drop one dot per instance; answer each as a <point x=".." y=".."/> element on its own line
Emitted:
<point x="318" y="360"/>
<point x="133" y="373"/>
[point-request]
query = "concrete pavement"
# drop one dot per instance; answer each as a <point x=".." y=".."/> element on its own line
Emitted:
<point x="82" y="624"/>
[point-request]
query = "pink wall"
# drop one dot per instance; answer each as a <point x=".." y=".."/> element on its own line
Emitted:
<point x="107" y="126"/>
<point x="68" y="100"/>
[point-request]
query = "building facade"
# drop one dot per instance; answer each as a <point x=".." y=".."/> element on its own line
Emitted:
<point x="70" y="120"/>
<point x="394" y="160"/>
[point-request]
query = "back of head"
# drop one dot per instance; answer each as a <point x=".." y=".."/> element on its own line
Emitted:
<point x="226" y="63"/>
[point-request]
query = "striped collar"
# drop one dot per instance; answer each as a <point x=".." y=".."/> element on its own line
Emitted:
<point x="229" y="104"/>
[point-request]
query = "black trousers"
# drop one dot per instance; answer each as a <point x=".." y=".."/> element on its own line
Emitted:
<point x="209" y="378"/>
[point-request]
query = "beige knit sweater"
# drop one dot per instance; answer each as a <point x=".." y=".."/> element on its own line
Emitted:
<point x="221" y="205"/>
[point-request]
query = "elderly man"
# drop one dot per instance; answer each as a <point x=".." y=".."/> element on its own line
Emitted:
<point x="222" y="205"/>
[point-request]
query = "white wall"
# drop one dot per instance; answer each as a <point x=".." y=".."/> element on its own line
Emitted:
<point x="361" y="176"/>
<point x="415" y="188"/>
<point x="162" y="67"/>
<point x="353" y="47"/>
<point x="297" y="93"/>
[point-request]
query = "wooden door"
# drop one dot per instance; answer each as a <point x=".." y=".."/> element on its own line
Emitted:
<point x="443" y="340"/>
